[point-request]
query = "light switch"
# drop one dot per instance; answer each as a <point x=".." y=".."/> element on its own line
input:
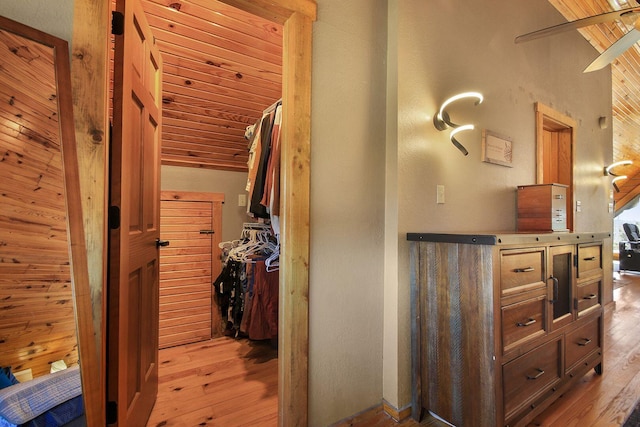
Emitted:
<point x="242" y="200"/>
<point x="440" y="194"/>
<point x="578" y="206"/>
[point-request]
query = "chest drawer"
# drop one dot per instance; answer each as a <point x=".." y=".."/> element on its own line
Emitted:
<point x="522" y="321"/>
<point x="582" y="342"/>
<point x="589" y="260"/>
<point x="521" y="270"/>
<point x="588" y="296"/>
<point x="526" y="377"/>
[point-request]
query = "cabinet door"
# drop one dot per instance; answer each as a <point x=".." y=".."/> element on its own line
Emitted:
<point x="561" y="285"/>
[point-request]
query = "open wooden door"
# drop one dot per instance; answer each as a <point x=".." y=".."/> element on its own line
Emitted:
<point x="132" y="328"/>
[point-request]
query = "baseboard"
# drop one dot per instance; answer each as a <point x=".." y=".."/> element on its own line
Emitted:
<point x="398" y="415"/>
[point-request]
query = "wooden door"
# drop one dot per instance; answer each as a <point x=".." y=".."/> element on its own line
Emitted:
<point x="192" y="223"/>
<point x="132" y="329"/>
<point x="555" y="145"/>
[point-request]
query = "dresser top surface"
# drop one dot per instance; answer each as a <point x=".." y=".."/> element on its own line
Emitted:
<point x="508" y="238"/>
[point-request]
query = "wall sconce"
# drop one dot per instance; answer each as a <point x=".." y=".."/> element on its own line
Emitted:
<point x="617" y="178"/>
<point x="608" y="172"/>
<point x="442" y="121"/>
<point x="608" y="169"/>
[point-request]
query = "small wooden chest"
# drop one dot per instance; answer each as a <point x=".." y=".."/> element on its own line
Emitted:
<point x="542" y="207"/>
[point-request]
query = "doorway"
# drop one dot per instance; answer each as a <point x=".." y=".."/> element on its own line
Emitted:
<point x="555" y="154"/>
<point x="89" y="78"/>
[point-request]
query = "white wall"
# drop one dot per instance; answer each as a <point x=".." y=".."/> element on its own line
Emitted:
<point x="451" y="46"/>
<point x="231" y="184"/>
<point x="41" y="14"/>
<point x="347" y="208"/>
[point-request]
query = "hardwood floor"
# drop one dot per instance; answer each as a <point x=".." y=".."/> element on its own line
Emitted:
<point x="222" y="382"/>
<point x="227" y="382"/>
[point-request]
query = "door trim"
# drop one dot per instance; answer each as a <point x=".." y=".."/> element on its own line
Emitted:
<point x="549" y="119"/>
<point x="91" y="29"/>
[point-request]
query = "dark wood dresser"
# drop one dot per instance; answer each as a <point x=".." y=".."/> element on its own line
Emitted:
<point x="502" y="324"/>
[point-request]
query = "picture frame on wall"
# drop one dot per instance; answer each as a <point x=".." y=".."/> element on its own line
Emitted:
<point x="497" y="149"/>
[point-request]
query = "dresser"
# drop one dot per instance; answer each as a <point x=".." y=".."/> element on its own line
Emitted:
<point x="502" y="324"/>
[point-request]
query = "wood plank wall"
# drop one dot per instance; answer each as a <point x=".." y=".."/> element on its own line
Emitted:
<point x="188" y="266"/>
<point x="37" y="325"/>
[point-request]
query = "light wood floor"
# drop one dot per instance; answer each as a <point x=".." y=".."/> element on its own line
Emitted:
<point x="228" y="383"/>
<point x="223" y="383"/>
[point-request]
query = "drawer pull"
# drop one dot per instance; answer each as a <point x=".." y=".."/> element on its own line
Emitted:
<point x="584" y="342"/>
<point x="524" y="270"/>
<point x="591" y="296"/>
<point x="537" y="375"/>
<point x="528" y="323"/>
<point x="591" y="258"/>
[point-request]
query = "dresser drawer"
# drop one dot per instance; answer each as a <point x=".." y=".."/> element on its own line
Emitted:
<point x="521" y="270"/>
<point x="588" y="296"/>
<point x="581" y="342"/>
<point x="589" y="260"/>
<point x="526" y="377"/>
<point x="522" y="321"/>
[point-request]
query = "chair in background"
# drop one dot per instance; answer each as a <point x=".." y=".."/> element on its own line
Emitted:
<point x="630" y="249"/>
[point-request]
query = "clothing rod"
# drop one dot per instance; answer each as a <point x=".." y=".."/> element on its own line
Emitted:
<point x="272" y="106"/>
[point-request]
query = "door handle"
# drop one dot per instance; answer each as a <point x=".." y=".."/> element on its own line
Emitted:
<point x="160" y="243"/>
<point x="555" y="289"/>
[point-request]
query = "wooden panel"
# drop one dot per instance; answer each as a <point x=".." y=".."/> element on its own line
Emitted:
<point x="37" y="325"/>
<point x="223" y="67"/>
<point x="521" y="270"/>
<point x="589" y="260"/>
<point x="581" y="342"/>
<point x="528" y="376"/>
<point x="523" y="321"/>
<point x="188" y="312"/>
<point x="449" y="358"/>
<point x="589" y="295"/>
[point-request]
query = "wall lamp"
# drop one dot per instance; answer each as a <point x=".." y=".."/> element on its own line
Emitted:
<point x="442" y="121"/>
<point x="608" y="172"/>
<point x="608" y="169"/>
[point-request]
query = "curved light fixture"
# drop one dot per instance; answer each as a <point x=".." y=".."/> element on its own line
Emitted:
<point x="455" y="141"/>
<point x="617" y="178"/>
<point x="607" y="170"/>
<point x="442" y="121"/>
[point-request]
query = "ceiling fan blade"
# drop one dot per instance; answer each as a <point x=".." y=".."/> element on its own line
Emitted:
<point x="616" y="49"/>
<point x="578" y="23"/>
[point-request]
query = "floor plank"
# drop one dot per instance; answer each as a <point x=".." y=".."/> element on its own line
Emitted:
<point x="228" y="383"/>
<point x="222" y="382"/>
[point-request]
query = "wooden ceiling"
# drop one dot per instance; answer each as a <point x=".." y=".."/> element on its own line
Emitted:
<point x="625" y="71"/>
<point x="222" y="68"/>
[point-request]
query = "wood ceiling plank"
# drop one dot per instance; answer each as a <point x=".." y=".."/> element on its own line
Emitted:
<point x="223" y="15"/>
<point x="184" y="128"/>
<point x="217" y="110"/>
<point x="232" y="62"/>
<point x="186" y="161"/>
<point x="219" y="147"/>
<point x="205" y="91"/>
<point x="193" y="70"/>
<point x="201" y="29"/>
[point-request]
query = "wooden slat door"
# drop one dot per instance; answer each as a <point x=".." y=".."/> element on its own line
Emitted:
<point x="132" y="358"/>
<point x="191" y="222"/>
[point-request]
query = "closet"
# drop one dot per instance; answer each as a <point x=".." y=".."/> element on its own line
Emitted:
<point x="221" y="82"/>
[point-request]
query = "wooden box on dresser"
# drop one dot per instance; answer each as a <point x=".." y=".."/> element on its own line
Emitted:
<point x="502" y="324"/>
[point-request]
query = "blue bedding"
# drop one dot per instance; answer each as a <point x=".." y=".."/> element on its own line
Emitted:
<point x="49" y="401"/>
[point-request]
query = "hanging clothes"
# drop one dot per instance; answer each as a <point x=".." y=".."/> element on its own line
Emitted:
<point x="246" y="290"/>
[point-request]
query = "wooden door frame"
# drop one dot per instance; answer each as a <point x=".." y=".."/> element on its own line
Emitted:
<point x="91" y="29"/>
<point x="548" y="118"/>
